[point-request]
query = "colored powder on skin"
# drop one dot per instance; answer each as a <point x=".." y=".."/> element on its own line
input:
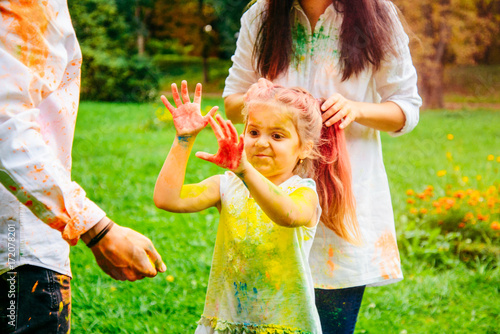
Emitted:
<point x="183" y="140"/>
<point x="192" y="190"/>
<point x="229" y="158"/>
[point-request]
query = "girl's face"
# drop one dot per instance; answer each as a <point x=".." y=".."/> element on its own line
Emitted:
<point x="272" y="144"/>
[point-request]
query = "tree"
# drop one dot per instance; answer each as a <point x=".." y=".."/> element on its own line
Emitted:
<point x="448" y="32"/>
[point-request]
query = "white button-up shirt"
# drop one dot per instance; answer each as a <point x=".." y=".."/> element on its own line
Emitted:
<point x="41" y="210"/>
<point x="315" y="67"/>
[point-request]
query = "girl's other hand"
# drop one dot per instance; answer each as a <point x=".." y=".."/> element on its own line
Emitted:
<point x="187" y="116"/>
<point x="230" y="154"/>
<point x="337" y="107"/>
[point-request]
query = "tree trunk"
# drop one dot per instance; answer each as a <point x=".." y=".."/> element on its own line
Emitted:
<point x="205" y="46"/>
<point x="140" y="31"/>
<point x="431" y="86"/>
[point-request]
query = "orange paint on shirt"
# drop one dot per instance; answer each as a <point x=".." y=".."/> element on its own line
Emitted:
<point x="34" y="287"/>
<point x="387" y="248"/>
<point x="13" y="188"/>
<point x="28" y="21"/>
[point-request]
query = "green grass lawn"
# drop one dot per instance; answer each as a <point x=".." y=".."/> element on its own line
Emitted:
<point x="118" y="152"/>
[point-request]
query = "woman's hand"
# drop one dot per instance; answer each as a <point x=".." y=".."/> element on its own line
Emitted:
<point x="187" y="116"/>
<point x="337" y="107"/>
<point x="230" y="154"/>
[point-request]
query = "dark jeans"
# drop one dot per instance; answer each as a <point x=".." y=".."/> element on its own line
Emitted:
<point x="338" y="309"/>
<point x="34" y="300"/>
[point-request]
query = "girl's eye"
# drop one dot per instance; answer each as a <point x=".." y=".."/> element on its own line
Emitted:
<point x="277" y="136"/>
<point x="253" y="133"/>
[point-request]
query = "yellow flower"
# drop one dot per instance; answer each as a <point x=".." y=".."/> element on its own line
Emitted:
<point x="448" y="155"/>
<point x="413" y="211"/>
<point x="169" y="278"/>
<point x="410" y="201"/>
<point x="495" y="225"/>
<point x="441" y="173"/>
<point x="449" y="136"/>
<point x="491" y="157"/>
<point x="465" y="179"/>
<point x="410" y="192"/>
<point x="479" y="177"/>
<point x="498" y="159"/>
<point x="456" y="168"/>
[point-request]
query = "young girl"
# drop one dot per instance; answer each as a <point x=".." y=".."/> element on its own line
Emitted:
<point x="260" y="281"/>
<point x="355" y="55"/>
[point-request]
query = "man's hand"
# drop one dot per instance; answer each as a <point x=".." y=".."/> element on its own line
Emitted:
<point x="125" y="254"/>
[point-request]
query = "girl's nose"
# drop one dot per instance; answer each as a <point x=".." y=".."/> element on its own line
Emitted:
<point x="262" y="142"/>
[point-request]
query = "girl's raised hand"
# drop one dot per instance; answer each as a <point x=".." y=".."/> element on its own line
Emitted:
<point x="187" y="116"/>
<point x="230" y="154"/>
<point x="337" y="107"/>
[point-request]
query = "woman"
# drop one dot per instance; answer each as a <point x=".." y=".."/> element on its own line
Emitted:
<point x="355" y="55"/>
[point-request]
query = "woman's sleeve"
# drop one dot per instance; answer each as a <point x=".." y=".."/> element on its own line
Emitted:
<point x="242" y="73"/>
<point x="396" y="80"/>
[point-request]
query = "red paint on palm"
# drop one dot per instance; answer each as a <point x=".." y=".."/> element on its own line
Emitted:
<point x="230" y="153"/>
<point x="187" y="117"/>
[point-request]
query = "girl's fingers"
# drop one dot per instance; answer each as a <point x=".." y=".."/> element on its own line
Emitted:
<point x="205" y="156"/>
<point x="167" y="104"/>
<point x="197" y="94"/>
<point x="233" y="133"/>
<point x="223" y="125"/>
<point x="216" y="128"/>
<point x="184" y="92"/>
<point x="212" y="112"/>
<point x="241" y="144"/>
<point x="175" y="95"/>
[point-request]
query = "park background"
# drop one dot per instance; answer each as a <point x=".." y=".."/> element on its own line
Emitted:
<point x="444" y="176"/>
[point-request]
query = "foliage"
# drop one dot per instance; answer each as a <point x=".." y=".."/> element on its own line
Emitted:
<point x="111" y="71"/>
<point x="448" y="32"/>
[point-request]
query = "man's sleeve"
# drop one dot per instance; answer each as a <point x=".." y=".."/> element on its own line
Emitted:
<point x="38" y="74"/>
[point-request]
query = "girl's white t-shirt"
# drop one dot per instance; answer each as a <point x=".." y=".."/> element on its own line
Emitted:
<point x="315" y="67"/>
<point x="260" y="280"/>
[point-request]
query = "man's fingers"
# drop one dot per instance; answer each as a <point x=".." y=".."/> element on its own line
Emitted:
<point x="184" y="92"/>
<point x="175" y="95"/>
<point x="155" y="258"/>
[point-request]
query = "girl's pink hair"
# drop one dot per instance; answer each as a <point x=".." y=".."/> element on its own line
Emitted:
<point x="328" y="163"/>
